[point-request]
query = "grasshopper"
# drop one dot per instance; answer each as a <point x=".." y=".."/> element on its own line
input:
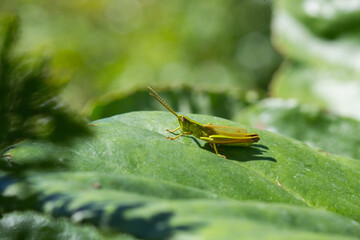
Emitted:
<point x="213" y="134"/>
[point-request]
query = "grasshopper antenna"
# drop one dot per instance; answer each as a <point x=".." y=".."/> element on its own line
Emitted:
<point x="162" y="101"/>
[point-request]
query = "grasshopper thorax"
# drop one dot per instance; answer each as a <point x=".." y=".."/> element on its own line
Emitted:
<point x="190" y="126"/>
<point x="184" y="122"/>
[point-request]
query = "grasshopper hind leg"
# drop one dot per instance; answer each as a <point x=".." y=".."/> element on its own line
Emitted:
<point x="216" y="151"/>
<point x="213" y="145"/>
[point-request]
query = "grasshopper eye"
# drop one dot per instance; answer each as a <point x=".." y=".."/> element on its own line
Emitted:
<point x="183" y="119"/>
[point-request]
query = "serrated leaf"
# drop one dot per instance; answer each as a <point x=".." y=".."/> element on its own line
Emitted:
<point x="157" y="182"/>
<point x="121" y="207"/>
<point x="32" y="225"/>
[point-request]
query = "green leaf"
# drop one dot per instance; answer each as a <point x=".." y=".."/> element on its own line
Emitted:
<point x="329" y="132"/>
<point x="154" y="187"/>
<point x="32" y="225"/>
<point x="332" y="90"/>
<point x="125" y="204"/>
<point x="326" y="18"/>
<point x="319" y="71"/>
<point x="298" y="43"/>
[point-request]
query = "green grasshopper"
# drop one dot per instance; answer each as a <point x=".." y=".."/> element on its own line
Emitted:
<point x="213" y="134"/>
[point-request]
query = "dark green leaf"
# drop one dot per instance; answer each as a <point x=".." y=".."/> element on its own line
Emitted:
<point x="31" y="225"/>
<point x="153" y="209"/>
<point x="277" y="169"/>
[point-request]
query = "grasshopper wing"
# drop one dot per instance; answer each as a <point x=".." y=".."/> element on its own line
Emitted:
<point x="226" y="131"/>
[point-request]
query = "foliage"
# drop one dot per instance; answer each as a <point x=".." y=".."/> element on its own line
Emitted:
<point x="29" y="109"/>
<point x="317" y="128"/>
<point x="184" y="99"/>
<point x="129" y="178"/>
<point x="32" y="225"/>
<point x="29" y="106"/>
<point x="126" y="181"/>
<point x="320" y="41"/>
<point x="117" y="48"/>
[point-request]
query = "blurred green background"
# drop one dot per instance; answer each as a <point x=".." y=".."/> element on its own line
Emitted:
<point x="210" y="57"/>
<point x="109" y="51"/>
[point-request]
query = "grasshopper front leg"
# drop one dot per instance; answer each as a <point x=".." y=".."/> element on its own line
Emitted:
<point x="184" y="133"/>
<point x="172" y="131"/>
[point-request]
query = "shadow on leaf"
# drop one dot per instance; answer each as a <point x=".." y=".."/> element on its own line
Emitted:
<point x="254" y="152"/>
<point x="157" y="226"/>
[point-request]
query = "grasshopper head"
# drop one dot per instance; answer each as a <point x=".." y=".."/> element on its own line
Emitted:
<point x="184" y="122"/>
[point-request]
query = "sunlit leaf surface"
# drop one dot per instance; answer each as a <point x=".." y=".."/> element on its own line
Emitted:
<point x="129" y="178"/>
